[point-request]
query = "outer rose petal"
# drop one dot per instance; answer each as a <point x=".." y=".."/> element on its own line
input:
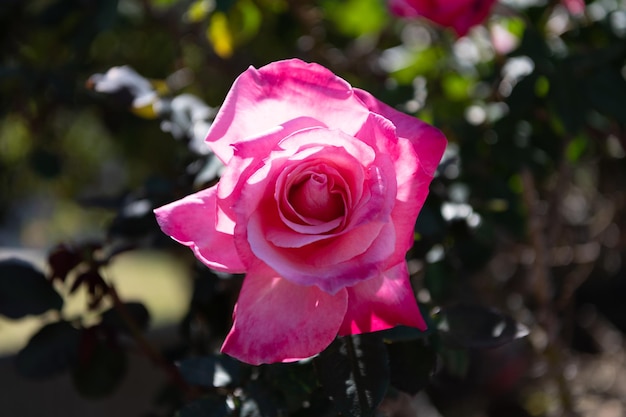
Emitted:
<point x="277" y="321"/>
<point x="416" y="155"/>
<point x="428" y="142"/>
<point x="262" y="99"/>
<point x="382" y="303"/>
<point x="191" y="221"/>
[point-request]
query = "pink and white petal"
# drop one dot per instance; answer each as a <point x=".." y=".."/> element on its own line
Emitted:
<point x="277" y="93"/>
<point x="248" y="157"/>
<point x="428" y="142"/>
<point x="382" y="303"/>
<point x="191" y="222"/>
<point x="343" y="262"/>
<point x="331" y="138"/>
<point x="278" y="321"/>
<point x="413" y="188"/>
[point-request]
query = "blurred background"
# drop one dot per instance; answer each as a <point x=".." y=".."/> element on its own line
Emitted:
<point x="526" y="213"/>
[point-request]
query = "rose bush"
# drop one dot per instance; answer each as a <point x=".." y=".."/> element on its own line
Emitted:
<point x="460" y="15"/>
<point x="317" y="205"/>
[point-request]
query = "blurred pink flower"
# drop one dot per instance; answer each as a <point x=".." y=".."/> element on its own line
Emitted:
<point x="502" y="40"/>
<point x="460" y="15"/>
<point x="317" y="205"/>
<point x="575" y="7"/>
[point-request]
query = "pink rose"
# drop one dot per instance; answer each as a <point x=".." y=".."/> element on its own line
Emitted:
<point x="459" y="15"/>
<point x="317" y="205"/>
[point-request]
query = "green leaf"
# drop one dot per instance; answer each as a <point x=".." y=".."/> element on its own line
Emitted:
<point x="24" y="290"/>
<point x="258" y="400"/>
<point x="473" y="326"/>
<point x="455" y="361"/>
<point x="52" y="350"/>
<point x="566" y="96"/>
<point x="211" y="371"/>
<point x="224" y="5"/>
<point x="354" y="371"/>
<point x="356" y="17"/>
<point x="411" y="363"/>
<point x="606" y="90"/>
<point x="211" y="406"/>
<point x="576" y="148"/>
<point x="137" y="311"/>
<point x="101" y="369"/>
<point x="295" y="382"/>
<point x="403" y="333"/>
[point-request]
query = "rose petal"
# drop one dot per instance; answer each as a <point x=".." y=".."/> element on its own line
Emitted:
<point x="277" y="321"/>
<point x="287" y="192"/>
<point x="415" y="154"/>
<point x="331" y="265"/>
<point x="191" y="221"/>
<point x="279" y="92"/>
<point x="381" y="303"/>
<point x="315" y="198"/>
<point x="247" y="160"/>
<point x="428" y="142"/>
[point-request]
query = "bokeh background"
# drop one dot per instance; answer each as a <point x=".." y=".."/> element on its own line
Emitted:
<point x="526" y="213"/>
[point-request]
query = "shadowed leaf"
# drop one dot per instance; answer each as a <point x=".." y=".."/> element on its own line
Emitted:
<point x="52" y="350"/>
<point x="136" y="310"/>
<point x="472" y="326"/>
<point x="24" y="290"/>
<point x="211" y="371"/>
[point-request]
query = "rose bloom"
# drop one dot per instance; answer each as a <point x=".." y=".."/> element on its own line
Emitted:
<point x="317" y="206"/>
<point x="460" y="15"/>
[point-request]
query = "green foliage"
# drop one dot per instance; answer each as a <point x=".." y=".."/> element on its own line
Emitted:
<point x="471" y="326"/>
<point x="412" y="364"/>
<point x="211" y="371"/>
<point x="354" y="371"/>
<point x="356" y="17"/>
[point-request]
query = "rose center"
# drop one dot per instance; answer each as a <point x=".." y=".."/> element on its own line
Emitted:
<point x="315" y="197"/>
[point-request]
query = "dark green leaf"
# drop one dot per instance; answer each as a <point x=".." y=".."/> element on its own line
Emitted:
<point x="205" y="407"/>
<point x="439" y="279"/>
<point x="606" y="90"/>
<point x="52" y="350"/>
<point x="137" y="311"/>
<point x="211" y="371"/>
<point x="101" y="369"/>
<point x="354" y="371"/>
<point x="455" y="361"/>
<point x="565" y="95"/>
<point x="258" y="401"/>
<point x="411" y="363"/>
<point x="473" y="326"/>
<point x="24" y="290"/>
<point x="224" y="5"/>
<point x="403" y="333"/>
<point x="293" y="381"/>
